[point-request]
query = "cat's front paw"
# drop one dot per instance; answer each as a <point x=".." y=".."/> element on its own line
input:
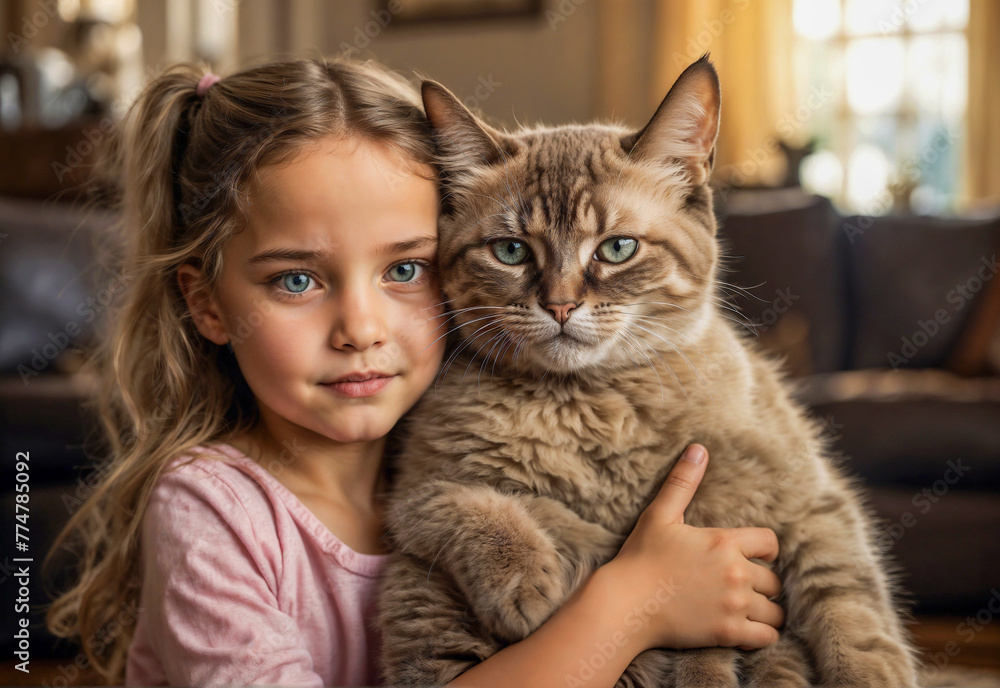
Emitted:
<point x="518" y="605"/>
<point x="783" y="664"/>
<point x="712" y="667"/>
<point x="886" y="666"/>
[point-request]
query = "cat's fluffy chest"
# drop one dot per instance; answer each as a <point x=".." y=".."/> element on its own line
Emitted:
<point x="602" y="448"/>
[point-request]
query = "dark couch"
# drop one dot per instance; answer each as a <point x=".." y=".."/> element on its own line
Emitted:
<point x="873" y="310"/>
<point x="833" y="307"/>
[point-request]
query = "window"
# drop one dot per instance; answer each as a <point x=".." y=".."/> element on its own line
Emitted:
<point x="898" y="71"/>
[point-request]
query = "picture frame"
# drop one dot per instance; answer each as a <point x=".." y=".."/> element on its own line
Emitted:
<point x="435" y="11"/>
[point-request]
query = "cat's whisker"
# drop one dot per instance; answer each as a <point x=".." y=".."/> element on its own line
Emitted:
<point x="445" y="545"/>
<point x="458" y="351"/>
<point x="476" y="336"/>
<point x="468" y="340"/>
<point x="500" y="339"/>
<point x="749" y="325"/>
<point x="674" y="347"/>
<point x="437" y="304"/>
<point x="457" y="311"/>
<point x="655" y="321"/>
<point x="457" y="327"/>
<point x="521" y="341"/>
<point x="625" y="342"/>
<point x="486" y="359"/>
<point x="498" y="357"/>
<point x="684" y="356"/>
<point x="655" y="372"/>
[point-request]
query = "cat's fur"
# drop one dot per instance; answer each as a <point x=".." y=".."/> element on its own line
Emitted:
<point x="531" y="462"/>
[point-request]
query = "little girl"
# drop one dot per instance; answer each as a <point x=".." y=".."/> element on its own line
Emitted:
<point x="284" y="314"/>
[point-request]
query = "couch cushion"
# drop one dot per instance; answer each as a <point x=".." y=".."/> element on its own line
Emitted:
<point x="901" y="428"/>
<point x="55" y="289"/>
<point x="914" y="282"/>
<point x="782" y="246"/>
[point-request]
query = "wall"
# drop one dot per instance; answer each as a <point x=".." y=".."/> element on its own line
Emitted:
<point x="521" y="68"/>
<point x="579" y="60"/>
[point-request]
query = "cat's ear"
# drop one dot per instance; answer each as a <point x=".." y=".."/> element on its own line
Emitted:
<point x="685" y="125"/>
<point x="464" y="138"/>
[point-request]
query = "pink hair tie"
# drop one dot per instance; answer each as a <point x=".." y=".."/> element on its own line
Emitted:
<point x="207" y="82"/>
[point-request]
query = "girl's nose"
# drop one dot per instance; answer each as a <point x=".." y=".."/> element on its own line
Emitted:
<point x="360" y="321"/>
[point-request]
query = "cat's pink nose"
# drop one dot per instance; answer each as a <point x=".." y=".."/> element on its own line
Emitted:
<point x="561" y="313"/>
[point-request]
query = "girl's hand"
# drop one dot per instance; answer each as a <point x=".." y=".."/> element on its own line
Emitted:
<point x="687" y="587"/>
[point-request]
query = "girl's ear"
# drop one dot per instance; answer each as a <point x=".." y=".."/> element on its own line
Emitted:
<point x="203" y="306"/>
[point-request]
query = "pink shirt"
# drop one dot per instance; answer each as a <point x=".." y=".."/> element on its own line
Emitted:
<point x="242" y="584"/>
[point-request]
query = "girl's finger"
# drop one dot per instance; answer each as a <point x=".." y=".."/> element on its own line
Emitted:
<point x="758" y="635"/>
<point x="764" y="611"/>
<point x="677" y="490"/>
<point x="765" y="581"/>
<point x="757" y="543"/>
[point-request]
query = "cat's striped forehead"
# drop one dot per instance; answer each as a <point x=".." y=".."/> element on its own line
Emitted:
<point x="574" y="180"/>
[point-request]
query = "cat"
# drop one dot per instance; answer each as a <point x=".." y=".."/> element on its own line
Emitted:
<point x="578" y="263"/>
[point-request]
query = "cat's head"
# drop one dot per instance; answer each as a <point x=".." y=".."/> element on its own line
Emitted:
<point x="561" y="247"/>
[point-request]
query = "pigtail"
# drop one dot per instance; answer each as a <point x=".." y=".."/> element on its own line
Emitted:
<point x="179" y="171"/>
<point x="148" y="365"/>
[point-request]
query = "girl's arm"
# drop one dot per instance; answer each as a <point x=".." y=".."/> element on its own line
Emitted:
<point x="671" y="585"/>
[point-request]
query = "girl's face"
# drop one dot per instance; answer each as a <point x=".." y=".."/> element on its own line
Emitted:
<point x="334" y="275"/>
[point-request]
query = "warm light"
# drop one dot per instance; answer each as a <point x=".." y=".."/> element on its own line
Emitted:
<point x="867" y="179"/>
<point x="822" y="173"/>
<point x="878" y="17"/>
<point x="931" y="15"/>
<point x="874" y="75"/>
<point x="69" y="10"/>
<point x="816" y="20"/>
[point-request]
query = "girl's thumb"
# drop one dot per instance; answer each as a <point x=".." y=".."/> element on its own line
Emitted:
<point x="677" y="490"/>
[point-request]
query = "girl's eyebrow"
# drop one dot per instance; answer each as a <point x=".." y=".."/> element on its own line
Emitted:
<point x="287" y="254"/>
<point x="407" y="245"/>
<point x="292" y="255"/>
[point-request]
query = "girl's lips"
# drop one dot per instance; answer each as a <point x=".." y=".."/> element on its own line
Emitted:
<point x="365" y="388"/>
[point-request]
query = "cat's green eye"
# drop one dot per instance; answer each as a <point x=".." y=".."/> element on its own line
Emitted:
<point x="617" y="250"/>
<point x="510" y="251"/>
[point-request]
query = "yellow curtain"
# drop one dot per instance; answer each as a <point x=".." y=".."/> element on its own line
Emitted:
<point x="751" y="44"/>
<point x="982" y="150"/>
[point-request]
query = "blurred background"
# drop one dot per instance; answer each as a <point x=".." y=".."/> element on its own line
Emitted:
<point x="858" y="192"/>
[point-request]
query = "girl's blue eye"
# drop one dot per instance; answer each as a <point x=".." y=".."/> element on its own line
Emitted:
<point x="404" y="270"/>
<point x="296" y="282"/>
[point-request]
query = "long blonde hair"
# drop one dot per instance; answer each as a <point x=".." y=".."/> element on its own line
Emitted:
<point x="180" y="170"/>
